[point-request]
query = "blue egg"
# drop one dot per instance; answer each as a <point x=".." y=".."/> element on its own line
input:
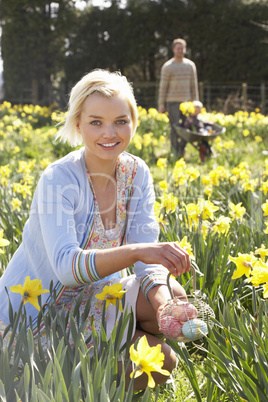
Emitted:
<point x="194" y="329"/>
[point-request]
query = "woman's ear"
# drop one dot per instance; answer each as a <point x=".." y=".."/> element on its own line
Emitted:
<point x="78" y="126"/>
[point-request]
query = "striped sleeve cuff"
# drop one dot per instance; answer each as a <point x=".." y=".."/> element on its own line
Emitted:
<point x="147" y="282"/>
<point x="84" y="268"/>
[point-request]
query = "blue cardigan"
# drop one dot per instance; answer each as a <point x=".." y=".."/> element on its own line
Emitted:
<point x="56" y="231"/>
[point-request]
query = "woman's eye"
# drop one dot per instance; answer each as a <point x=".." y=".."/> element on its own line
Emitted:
<point x="121" y="122"/>
<point x="95" y="123"/>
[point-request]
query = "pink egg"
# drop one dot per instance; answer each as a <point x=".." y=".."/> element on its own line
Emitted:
<point x="171" y="327"/>
<point x="184" y="312"/>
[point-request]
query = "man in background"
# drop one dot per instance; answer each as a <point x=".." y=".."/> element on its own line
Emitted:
<point x="178" y="83"/>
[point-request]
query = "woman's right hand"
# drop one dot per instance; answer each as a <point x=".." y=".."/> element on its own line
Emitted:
<point x="170" y="255"/>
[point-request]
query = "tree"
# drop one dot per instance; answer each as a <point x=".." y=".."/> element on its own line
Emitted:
<point x="33" y="40"/>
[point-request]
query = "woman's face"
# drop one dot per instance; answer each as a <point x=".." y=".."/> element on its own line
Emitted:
<point x="105" y="125"/>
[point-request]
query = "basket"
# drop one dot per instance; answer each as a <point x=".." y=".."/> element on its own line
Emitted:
<point x="186" y="319"/>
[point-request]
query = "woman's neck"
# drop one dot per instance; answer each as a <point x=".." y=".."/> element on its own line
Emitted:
<point x="102" y="175"/>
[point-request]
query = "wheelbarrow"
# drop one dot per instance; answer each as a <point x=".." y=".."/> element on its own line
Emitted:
<point x="201" y="140"/>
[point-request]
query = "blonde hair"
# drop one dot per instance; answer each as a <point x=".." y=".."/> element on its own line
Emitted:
<point x="104" y="83"/>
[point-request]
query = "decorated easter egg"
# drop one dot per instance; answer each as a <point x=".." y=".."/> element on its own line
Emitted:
<point x="171" y="327"/>
<point x="184" y="312"/>
<point x="194" y="329"/>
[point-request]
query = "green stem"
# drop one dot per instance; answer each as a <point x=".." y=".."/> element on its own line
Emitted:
<point x="254" y="300"/>
<point x="16" y="323"/>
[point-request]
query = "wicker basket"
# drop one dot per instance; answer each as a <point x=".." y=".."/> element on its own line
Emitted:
<point x="185" y="319"/>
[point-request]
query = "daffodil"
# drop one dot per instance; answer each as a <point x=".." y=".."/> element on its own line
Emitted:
<point x="16" y="204"/>
<point x="161" y="163"/>
<point x="250" y="185"/>
<point x="163" y="184"/>
<point x="264" y="187"/>
<point x="147" y="360"/>
<point x="147" y="139"/>
<point x="245" y="132"/>
<point x="178" y="174"/>
<point x="30" y="291"/>
<point x="111" y="294"/>
<point x="3" y="242"/>
<point x="237" y="211"/>
<point x="258" y="138"/>
<point x="263" y="252"/>
<point x="186" y="246"/>
<point x="259" y="273"/>
<point x="187" y="108"/>
<point x="265" y="291"/>
<point x="244" y="264"/>
<point x="207" y="208"/>
<point x="158" y="210"/>
<point x="137" y="141"/>
<point x="229" y="144"/>
<point x="192" y="173"/>
<point x="221" y="225"/>
<point x="170" y="202"/>
<point x="217" y="175"/>
<point x="264" y="207"/>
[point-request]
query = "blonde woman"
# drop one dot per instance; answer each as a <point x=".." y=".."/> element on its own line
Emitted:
<point x="92" y="216"/>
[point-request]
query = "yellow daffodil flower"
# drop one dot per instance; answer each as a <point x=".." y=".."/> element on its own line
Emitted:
<point x="263" y="252"/>
<point x="187" y="108"/>
<point x="265" y="291"/>
<point x="193" y="213"/>
<point x="158" y="207"/>
<point x="16" y="149"/>
<point x="162" y="139"/>
<point x="147" y="139"/>
<point x="137" y="140"/>
<point x="264" y="187"/>
<point x="259" y="273"/>
<point x="244" y="264"/>
<point x="217" y="175"/>
<point x="163" y="184"/>
<point x="170" y="202"/>
<point x="250" y="185"/>
<point x="229" y="144"/>
<point x="236" y="210"/>
<point x="192" y="173"/>
<point x="207" y="208"/>
<point x="23" y="189"/>
<point x="147" y="359"/>
<point x="266" y="224"/>
<point x="111" y="293"/>
<point x="161" y="163"/>
<point x="16" y="204"/>
<point x="221" y="225"/>
<point x="30" y="291"/>
<point x="152" y="112"/>
<point x="186" y="246"/>
<point x="264" y="207"/>
<point x="3" y="242"/>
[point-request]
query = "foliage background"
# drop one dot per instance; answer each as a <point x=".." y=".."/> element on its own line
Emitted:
<point x="47" y="46"/>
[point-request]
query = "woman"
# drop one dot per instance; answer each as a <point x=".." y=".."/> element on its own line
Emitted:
<point x="92" y="216"/>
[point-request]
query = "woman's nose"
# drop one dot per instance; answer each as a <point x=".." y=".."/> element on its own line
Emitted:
<point x="109" y="131"/>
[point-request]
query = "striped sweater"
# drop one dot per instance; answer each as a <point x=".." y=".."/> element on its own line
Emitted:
<point x="178" y="82"/>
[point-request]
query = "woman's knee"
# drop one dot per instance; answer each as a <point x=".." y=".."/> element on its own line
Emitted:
<point x="170" y="358"/>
